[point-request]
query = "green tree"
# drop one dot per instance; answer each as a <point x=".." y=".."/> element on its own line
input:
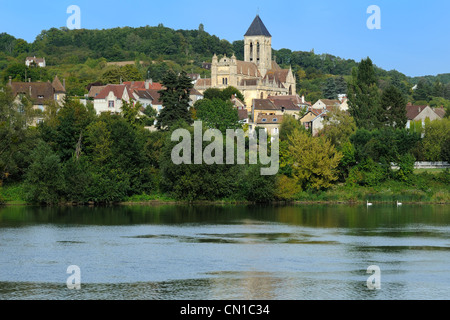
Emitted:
<point x="16" y="141"/>
<point x="423" y="91"/>
<point x="315" y="161"/>
<point x="175" y="99"/>
<point x="393" y="108"/>
<point x="66" y="132"/>
<point x="436" y="139"/>
<point x="338" y="127"/>
<point x="217" y="114"/>
<point x="44" y="181"/>
<point x="363" y="96"/>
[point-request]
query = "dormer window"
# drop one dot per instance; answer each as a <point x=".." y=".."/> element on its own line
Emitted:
<point x="264" y="120"/>
<point x="40" y="97"/>
<point x="274" y="119"/>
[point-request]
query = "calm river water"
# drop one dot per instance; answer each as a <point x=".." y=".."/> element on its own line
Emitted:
<point x="234" y="252"/>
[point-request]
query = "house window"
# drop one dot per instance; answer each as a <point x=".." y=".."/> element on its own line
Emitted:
<point x="274" y="119"/>
<point x="40" y="97"/>
<point x="275" y="130"/>
<point x="225" y="81"/>
<point x="264" y="120"/>
<point x="111" y="104"/>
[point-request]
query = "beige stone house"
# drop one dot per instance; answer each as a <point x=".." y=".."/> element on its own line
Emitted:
<point x="270" y="122"/>
<point x="41" y="94"/>
<point x="420" y="113"/>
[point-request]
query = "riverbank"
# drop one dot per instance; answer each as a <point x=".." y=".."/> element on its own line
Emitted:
<point x="389" y="192"/>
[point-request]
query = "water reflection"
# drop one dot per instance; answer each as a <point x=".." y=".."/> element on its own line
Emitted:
<point x="174" y="252"/>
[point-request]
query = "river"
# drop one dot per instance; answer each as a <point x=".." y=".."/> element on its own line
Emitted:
<point x="225" y="252"/>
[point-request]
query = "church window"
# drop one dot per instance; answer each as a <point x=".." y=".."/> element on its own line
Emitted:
<point x="251" y="51"/>
<point x="257" y="51"/>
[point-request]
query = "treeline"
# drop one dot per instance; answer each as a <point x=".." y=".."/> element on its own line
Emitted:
<point x="76" y="156"/>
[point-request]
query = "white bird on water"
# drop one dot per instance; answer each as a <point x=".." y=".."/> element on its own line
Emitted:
<point x="399" y="203"/>
<point x="369" y="203"/>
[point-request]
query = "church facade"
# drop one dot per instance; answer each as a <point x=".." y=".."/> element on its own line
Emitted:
<point x="258" y="76"/>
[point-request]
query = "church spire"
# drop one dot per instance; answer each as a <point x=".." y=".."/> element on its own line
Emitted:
<point x="257" y="28"/>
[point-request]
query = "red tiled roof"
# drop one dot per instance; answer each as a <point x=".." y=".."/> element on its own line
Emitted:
<point x="247" y="68"/>
<point x="58" y="85"/>
<point x="156" y="97"/>
<point x="37" y="91"/>
<point x="243" y="114"/>
<point x="440" y="112"/>
<point x="277" y="75"/>
<point x="264" y="104"/>
<point x="95" y="90"/>
<point x="286" y="104"/>
<point x="203" y="82"/>
<point x="141" y="85"/>
<point x="413" y="111"/>
<point x="117" y="89"/>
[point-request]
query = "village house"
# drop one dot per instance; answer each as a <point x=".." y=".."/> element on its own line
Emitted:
<point x="421" y="113"/>
<point x="327" y="104"/>
<point x="270" y="122"/>
<point x="39" y="62"/>
<point x="41" y="94"/>
<point x="109" y="99"/>
<point x="313" y="120"/>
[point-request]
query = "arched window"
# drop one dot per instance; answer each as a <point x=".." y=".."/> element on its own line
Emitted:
<point x="290" y="90"/>
<point x="257" y="51"/>
<point x="262" y="95"/>
<point x="251" y="51"/>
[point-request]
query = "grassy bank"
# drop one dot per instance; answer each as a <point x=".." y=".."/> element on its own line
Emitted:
<point x="427" y="186"/>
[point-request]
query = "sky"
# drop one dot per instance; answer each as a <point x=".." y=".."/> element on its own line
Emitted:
<point x="413" y="38"/>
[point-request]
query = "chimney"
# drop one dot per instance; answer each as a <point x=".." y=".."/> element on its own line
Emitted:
<point x="303" y="99"/>
<point x="30" y="91"/>
<point x="64" y="83"/>
<point x="147" y="82"/>
<point x="29" y="79"/>
<point x="10" y="80"/>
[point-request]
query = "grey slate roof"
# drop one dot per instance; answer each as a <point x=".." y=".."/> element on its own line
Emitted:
<point x="257" y="28"/>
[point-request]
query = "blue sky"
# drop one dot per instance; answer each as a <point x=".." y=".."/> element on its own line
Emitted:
<point x="413" y="39"/>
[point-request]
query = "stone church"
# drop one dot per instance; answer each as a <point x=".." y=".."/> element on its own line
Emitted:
<point x="258" y="76"/>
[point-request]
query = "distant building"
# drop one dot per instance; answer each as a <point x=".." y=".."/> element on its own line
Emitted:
<point x="109" y="99"/>
<point x="327" y="104"/>
<point x="421" y="113"/>
<point x="258" y="76"/>
<point x="39" y="62"/>
<point x="194" y="96"/>
<point x="41" y="94"/>
<point x="313" y="120"/>
<point x="270" y="122"/>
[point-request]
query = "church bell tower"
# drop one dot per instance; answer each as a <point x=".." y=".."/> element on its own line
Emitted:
<point x="258" y="46"/>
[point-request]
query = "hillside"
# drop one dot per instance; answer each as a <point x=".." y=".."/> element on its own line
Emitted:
<point x="82" y="56"/>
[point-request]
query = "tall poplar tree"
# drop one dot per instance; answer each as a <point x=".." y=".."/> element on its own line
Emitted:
<point x="363" y="96"/>
<point x="175" y="99"/>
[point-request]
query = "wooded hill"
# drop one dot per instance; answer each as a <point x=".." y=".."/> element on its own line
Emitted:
<point x="81" y="57"/>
